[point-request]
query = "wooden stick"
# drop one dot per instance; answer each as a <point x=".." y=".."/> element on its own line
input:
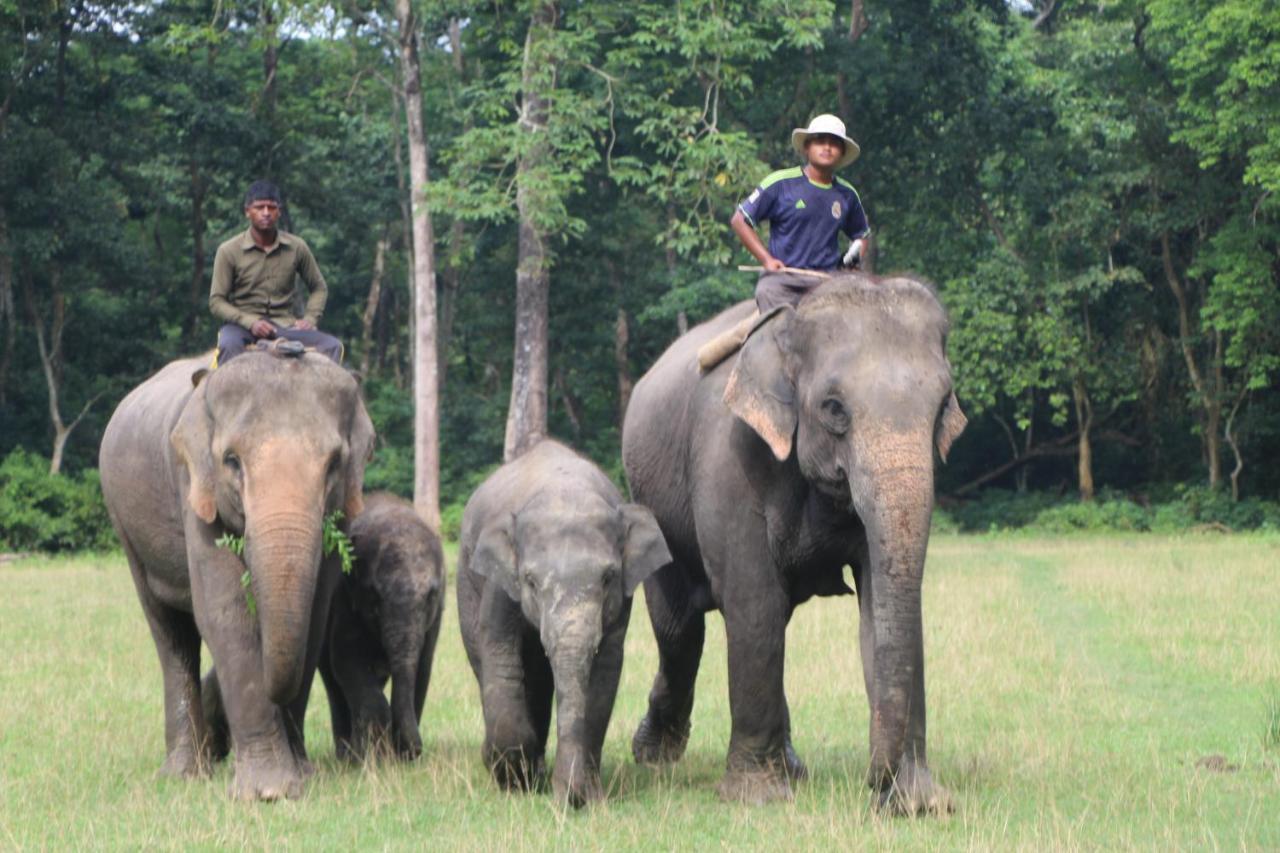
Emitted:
<point x="811" y="273"/>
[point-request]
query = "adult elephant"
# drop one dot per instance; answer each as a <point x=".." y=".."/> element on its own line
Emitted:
<point x="265" y="447"/>
<point x="811" y="451"/>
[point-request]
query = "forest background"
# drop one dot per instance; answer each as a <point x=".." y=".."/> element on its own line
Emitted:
<point x="1091" y="186"/>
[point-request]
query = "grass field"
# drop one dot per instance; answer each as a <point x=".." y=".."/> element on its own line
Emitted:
<point x="1074" y="685"/>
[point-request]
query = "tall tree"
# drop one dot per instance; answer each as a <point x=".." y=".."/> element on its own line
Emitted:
<point x="426" y="389"/>
<point x="527" y="414"/>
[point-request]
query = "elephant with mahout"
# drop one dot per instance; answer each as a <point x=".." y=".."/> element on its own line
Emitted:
<point x="549" y="558"/>
<point x="811" y="451"/>
<point x="265" y="447"/>
<point x="383" y="625"/>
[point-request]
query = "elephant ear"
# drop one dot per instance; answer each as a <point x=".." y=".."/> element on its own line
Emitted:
<point x="645" y="550"/>
<point x="191" y="439"/>
<point x="359" y="452"/>
<point x="494" y="556"/>
<point x="951" y="423"/>
<point x="761" y="390"/>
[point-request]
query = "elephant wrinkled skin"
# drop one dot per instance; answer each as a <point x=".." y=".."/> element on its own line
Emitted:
<point x="264" y="447"/>
<point x="810" y="451"/>
<point x="548" y="561"/>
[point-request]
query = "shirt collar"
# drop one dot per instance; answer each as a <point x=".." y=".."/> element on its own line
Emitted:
<point x="283" y="238"/>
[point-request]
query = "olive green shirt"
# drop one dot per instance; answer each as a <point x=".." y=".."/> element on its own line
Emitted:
<point x="250" y="284"/>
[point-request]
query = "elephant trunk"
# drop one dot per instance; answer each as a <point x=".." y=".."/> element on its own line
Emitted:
<point x="576" y="778"/>
<point x="283" y="552"/>
<point x="896" y="511"/>
<point x="404" y="640"/>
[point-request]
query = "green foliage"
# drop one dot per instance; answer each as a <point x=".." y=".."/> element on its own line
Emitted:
<point x="39" y="512"/>
<point x="1271" y="721"/>
<point x="1184" y="510"/>
<point x="337" y="541"/>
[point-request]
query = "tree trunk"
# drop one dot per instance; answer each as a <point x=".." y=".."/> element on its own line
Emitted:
<point x="1084" y="445"/>
<point x="1210" y="402"/>
<point x="527" y="414"/>
<point x="621" y="339"/>
<point x="451" y="281"/>
<point x="371" y="304"/>
<point x="406" y="218"/>
<point x="572" y="408"/>
<point x="426" y="415"/>
<point x="1229" y="433"/>
<point x="7" y="308"/>
<point x="50" y="349"/>
<point x="198" y="288"/>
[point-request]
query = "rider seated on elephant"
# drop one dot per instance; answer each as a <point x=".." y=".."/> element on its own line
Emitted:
<point x="254" y="283"/>
<point x="807" y="207"/>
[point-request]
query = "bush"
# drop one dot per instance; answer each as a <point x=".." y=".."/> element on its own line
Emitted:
<point x="1184" y="508"/>
<point x="39" y="512"/>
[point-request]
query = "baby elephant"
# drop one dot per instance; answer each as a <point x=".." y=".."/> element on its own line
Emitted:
<point x="383" y="623"/>
<point x="549" y="558"/>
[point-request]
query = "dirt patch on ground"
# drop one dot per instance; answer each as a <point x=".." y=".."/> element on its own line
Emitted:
<point x="1216" y="764"/>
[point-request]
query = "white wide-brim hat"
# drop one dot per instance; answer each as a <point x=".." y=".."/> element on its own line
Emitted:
<point x="831" y="126"/>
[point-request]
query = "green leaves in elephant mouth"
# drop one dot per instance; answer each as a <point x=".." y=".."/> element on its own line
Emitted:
<point x="333" y="540"/>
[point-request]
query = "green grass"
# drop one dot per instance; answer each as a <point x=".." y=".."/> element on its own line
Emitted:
<point x="1073" y="685"/>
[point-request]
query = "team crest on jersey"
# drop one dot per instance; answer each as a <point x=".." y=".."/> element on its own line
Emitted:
<point x="835" y="209"/>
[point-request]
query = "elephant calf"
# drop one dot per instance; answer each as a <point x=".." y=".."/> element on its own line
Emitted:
<point x="550" y="557"/>
<point x="383" y="624"/>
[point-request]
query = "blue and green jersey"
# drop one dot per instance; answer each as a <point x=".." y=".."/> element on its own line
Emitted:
<point x="805" y="217"/>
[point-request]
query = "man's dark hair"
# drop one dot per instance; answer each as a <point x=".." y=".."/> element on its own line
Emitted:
<point x="262" y="191"/>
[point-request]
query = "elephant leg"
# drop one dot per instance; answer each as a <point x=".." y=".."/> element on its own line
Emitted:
<point x="514" y="740"/>
<point x="679" y="629"/>
<point x="539" y="694"/>
<point x="215" y="716"/>
<point x="265" y="765"/>
<point x="755" y="614"/>
<point x="177" y="642"/>
<point x="423" y="679"/>
<point x="339" y="709"/>
<point x="361" y="683"/>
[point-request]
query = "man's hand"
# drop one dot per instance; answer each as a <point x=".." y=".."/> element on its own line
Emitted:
<point x="263" y="329"/>
<point x="853" y="257"/>
<point x="304" y="324"/>
<point x="772" y="264"/>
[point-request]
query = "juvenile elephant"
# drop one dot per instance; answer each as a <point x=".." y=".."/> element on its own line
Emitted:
<point x="811" y="451"/>
<point x="549" y="558"/>
<point x="264" y="447"/>
<point x="383" y="624"/>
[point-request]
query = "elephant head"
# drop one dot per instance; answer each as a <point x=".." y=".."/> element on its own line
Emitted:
<point x="855" y="384"/>
<point x="573" y="563"/>
<point x="270" y="446"/>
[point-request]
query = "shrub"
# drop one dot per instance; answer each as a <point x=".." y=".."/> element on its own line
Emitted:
<point x="39" y="512"/>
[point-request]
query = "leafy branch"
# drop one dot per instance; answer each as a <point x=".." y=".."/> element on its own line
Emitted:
<point x="333" y="539"/>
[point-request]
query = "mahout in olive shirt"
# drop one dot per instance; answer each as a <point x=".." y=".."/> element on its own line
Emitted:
<point x="251" y="283"/>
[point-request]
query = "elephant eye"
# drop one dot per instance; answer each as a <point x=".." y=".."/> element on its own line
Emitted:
<point x="835" y="417"/>
<point x="608" y="576"/>
<point x="231" y="461"/>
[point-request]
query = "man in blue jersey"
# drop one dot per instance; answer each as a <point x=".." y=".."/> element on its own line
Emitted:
<point x="807" y="207"/>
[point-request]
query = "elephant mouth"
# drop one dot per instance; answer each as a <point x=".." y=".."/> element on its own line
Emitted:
<point x="835" y="488"/>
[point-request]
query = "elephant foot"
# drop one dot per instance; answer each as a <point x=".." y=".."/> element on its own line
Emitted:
<point x="579" y="792"/>
<point x="408" y="746"/>
<point x="913" y="792"/>
<point x="754" y="787"/>
<point x="791" y="763"/>
<point x="271" y="777"/>
<point x="185" y="764"/>
<point x="513" y="771"/>
<point x="655" y="744"/>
